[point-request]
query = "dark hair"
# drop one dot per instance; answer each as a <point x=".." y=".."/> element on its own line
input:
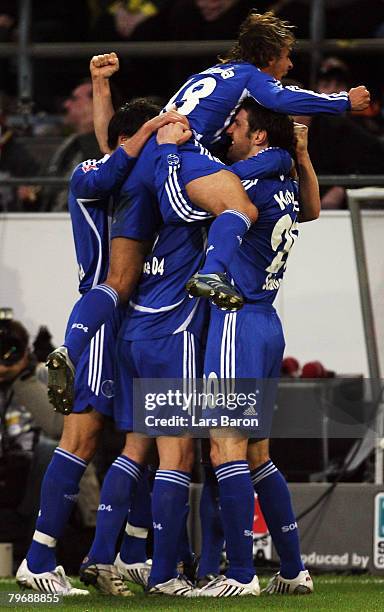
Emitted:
<point x="130" y="117"/>
<point x="14" y="340"/>
<point x="262" y="38"/>
<point x="279" y="127"/>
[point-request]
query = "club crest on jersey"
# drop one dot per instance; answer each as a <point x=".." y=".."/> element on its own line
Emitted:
<point x="88" y="165"/>
<point x="173" y="159"/>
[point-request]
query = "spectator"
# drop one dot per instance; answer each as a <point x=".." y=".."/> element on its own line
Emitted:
<point x="79" y="146"/>
<point x="29" y="431"/>
<point x="334" y="76"/>
<point x="337" y="145"/>
<point x="22" y="395"/>
<point x="119" y="19"/>
<point x="203" y="20"/>
<point x="16" y="161"/>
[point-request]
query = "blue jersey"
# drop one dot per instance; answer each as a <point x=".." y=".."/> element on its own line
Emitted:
<point x="160" y="306"/>
<point x="258" y="266"/>
<point x="210" y="98"/>
<point x="93" y="188"/>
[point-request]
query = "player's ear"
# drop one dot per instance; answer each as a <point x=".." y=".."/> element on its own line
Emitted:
<point x="260" y="137"/>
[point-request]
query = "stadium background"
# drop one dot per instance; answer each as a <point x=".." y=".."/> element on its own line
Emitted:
<point x="320" y="302"/>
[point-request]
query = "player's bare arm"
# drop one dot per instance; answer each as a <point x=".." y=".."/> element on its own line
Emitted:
<point x="126" y="265"/>
<point x="102" y="67"/>
<point x="309" y="195"/>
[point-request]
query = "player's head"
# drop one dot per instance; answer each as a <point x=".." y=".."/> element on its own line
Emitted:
<point x="264" y="39"/>
<point x="255" y="128"/>
<point x="14" y="351"/>
<point x="129" y="118"/>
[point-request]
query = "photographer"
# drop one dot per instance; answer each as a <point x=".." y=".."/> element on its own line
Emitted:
<point x="22" y="395"/>
<point x="25" y="414"/>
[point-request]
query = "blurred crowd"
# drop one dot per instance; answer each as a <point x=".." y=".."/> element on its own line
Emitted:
<point x="59" y="132"/>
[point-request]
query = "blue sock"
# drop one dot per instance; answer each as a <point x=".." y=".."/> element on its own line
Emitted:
<point x="97" y="306"/>
<point x="237" y="503"/>
<point x="212" y="534"/>
<point x="185" y="550"/>
<point x="59" y="490"/>
<point x="224" y="238"/>
<point x="275" y="503"/>
<point x="169" y="498"/>
<point x="117" y="491"/>
<point x="134" y="545"/>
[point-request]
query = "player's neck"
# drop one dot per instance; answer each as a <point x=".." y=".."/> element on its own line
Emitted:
<point x="255" y="149"/>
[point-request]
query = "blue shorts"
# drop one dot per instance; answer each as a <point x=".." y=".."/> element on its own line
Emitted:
<point x="198" y="162"/>
<point x="243" y="358"/>
<point x="95" y="372"/>
<point x="172" y="358"/>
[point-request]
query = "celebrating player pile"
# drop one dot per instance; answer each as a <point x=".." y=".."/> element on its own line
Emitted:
<point x="164" y="206"/>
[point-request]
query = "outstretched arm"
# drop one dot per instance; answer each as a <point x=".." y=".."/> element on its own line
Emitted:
<point x="309" y="196"/>
<point x="102" y="67"/>
<point x="296" y="101"/>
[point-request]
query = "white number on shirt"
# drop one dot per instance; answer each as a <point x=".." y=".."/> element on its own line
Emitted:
<point x="193" y="94"/>
<point x="155" y="266"/>
<point x="284" y="233"/>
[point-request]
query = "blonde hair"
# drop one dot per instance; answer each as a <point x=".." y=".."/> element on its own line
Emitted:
<point x="262" y="37"/>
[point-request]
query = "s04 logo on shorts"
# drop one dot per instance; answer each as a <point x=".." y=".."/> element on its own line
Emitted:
<point x="80" y="326"/>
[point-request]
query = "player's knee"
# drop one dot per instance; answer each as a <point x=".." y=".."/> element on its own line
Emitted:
<point x="251" y="211"/>
<point x="81" y="434"/>
<point x="180" y="458"/>
<point x="215" y="454"/>
<point x="120" y="285"/>
<point x="80" y="446"/>
<point x="257" y="457"/>
<point x="135" y="453"/>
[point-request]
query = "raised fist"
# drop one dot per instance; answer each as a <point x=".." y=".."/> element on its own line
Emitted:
<point x="104" y="65"/>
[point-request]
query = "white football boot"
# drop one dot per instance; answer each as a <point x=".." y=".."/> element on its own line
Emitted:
<point x="134" y="572"/>
<point x="228" y="587"/>
<point x="178" y="587"/>
<point x="301" y="585"/>
<point x="47" y="582"/>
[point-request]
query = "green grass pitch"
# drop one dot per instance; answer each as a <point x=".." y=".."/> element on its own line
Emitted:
<point x="333" y="594"/>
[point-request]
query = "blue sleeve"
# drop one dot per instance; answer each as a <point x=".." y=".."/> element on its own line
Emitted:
<point x="168" y="155"/>
<point x="292" y="100"/>
<point x="99" y="179"/>
<point x="137" y="214"/>
<point x="266" y="164"/>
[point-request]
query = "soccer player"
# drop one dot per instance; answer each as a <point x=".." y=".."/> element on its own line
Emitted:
<point x="209" y="100"/>
<point x="250" y="345"/>
<point x="161" y="338"/>
<point x="92" y="189"/>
